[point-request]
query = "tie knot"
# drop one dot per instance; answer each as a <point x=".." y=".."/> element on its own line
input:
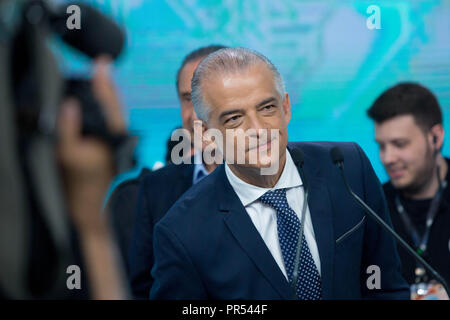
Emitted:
<point x="275" y="198"/>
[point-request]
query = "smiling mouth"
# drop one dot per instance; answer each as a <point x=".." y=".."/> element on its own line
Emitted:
<point x="395" y="174"/>
<point x="265" y="146"/>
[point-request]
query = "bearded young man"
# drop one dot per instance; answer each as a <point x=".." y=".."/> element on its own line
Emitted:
<point x="410" y="135"/>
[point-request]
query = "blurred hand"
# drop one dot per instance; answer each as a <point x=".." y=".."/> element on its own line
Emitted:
<point x="87" y="162"/>
<point x="106" y="93"/>
<point x="88" y="167"/>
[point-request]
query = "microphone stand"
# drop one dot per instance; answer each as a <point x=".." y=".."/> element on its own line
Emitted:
<point x="380" y="221"/>
<point x="297" y="154"/>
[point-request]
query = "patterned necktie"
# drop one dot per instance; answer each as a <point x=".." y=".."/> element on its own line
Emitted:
<point x="288" y="225"/>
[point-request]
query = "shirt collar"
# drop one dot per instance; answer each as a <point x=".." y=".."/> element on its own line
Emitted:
<point x="249" y="193"/>
<point x="199" y="168"/>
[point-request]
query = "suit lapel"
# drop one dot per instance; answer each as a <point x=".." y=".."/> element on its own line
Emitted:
<point x="322" y="219"/>
<point x="243" y="230"/>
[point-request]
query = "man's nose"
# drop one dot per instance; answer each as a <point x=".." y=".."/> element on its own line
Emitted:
<point x="388" y="155"/>
<point x="194" y="115"/>
<point x="255" y="122"/>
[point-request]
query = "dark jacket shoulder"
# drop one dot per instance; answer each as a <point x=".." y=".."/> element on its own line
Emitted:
<point x="320" y="150"/>
<point x="128" y="184"/>
<point x="170" y="172"/>
<point x="190" y="204"/>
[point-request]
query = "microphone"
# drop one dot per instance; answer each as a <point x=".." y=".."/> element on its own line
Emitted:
<point x="338" y="159"/>
<point x="98" y="34"/>
<point x="297" y="155"/>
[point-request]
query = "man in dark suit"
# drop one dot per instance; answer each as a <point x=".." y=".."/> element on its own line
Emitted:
<point x="159" y="190"/>
<point x="234" y="235"/>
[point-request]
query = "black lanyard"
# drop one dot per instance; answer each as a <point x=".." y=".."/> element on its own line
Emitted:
<point x="421" y="243"/>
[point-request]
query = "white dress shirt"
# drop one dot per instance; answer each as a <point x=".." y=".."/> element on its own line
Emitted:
<point x="264" y="217"/>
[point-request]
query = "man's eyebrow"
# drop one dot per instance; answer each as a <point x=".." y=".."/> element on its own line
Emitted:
<point x="185" y="94"/>
<point x="399" y="140"/>
<point x="392" y="140"/>
<point x="266" y="101"/>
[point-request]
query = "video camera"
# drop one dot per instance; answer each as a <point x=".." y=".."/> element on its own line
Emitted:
<point x="37" y="85"/>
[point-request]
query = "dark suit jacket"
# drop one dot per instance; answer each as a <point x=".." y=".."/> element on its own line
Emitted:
<point x="206" y="246"/>
<point x="158" y="191"/>
<point x="121" y="208"/>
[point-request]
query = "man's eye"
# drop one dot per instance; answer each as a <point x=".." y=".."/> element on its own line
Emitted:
<point x="232" y="119"/>
<point x="268" y="109"/>
<point x="401" y="144"/>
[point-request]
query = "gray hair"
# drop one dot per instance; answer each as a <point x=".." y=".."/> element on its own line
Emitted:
<point x="226" y="61"/>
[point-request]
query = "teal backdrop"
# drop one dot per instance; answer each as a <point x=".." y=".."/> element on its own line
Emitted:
<point x="334" y="66"/>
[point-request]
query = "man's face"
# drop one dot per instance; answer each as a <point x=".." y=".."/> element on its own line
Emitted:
<point x="405" y="152"/>
<point x="248" y="100"/>
<point x="184" y="93"/>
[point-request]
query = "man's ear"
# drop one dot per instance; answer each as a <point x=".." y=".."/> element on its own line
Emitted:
<point x="287" y="108"/>
<point x="437" y="133"/>
<point x="201" y="136"/>
<point x="198" y="135"/>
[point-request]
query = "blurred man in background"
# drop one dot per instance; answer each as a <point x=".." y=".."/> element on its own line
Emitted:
<point x="410" y="135"/>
